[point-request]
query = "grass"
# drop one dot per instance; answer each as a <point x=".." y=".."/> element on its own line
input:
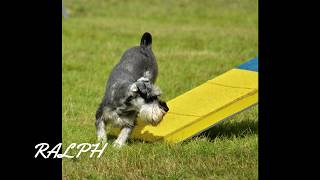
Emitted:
<point x="193" y="42"/>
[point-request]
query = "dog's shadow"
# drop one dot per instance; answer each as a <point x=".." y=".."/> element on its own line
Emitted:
<point x="135" y="140"/>
<point x="231" y="129"/>
<point x="227" y="129"/>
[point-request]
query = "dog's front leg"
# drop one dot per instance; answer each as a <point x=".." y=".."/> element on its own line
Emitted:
<point x="123" y="136"/>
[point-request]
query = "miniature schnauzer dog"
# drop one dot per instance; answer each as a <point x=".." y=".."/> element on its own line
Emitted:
<point x="131" y="93"/>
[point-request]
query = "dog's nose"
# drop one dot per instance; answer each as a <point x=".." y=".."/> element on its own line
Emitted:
<point x="164" y="106"/>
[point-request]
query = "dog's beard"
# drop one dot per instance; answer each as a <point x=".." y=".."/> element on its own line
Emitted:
<point x="151" y="113"/>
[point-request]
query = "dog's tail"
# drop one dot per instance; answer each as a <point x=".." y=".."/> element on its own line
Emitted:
<point x="146" y="40"/>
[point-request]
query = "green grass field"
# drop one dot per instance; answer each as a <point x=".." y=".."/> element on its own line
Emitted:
<point x="193" y="42"/>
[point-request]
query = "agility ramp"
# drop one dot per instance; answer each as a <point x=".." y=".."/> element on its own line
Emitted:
<point x="204" y="106"/>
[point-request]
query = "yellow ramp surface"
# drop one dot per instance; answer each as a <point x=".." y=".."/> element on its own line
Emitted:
<point x="202" y="107"/>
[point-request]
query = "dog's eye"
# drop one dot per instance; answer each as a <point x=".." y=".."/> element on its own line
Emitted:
<point x="150" y="99"/>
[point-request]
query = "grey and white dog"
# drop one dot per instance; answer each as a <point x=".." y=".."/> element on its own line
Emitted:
<point x="131" y="93"/>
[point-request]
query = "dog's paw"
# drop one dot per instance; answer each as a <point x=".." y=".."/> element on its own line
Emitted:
<point x="102" y="139"/>
<point x="117" y="145"/>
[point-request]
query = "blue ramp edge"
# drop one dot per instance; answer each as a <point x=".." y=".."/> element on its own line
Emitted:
<point x="251" y="65"/>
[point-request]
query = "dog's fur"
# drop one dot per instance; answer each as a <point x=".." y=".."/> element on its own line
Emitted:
<point x="131" y="92"/>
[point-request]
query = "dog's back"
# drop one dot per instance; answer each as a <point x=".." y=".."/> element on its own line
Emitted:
<point x="135" y="63"/>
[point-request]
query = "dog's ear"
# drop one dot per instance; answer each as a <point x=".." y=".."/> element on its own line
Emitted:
<point x="133" y="88"/>
<point x="145" y="88"/>
<point x="146" y="40"/>
<point x="139" y="87"/>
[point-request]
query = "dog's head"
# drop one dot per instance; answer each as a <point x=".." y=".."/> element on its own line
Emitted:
<point x="145" y="97"/>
